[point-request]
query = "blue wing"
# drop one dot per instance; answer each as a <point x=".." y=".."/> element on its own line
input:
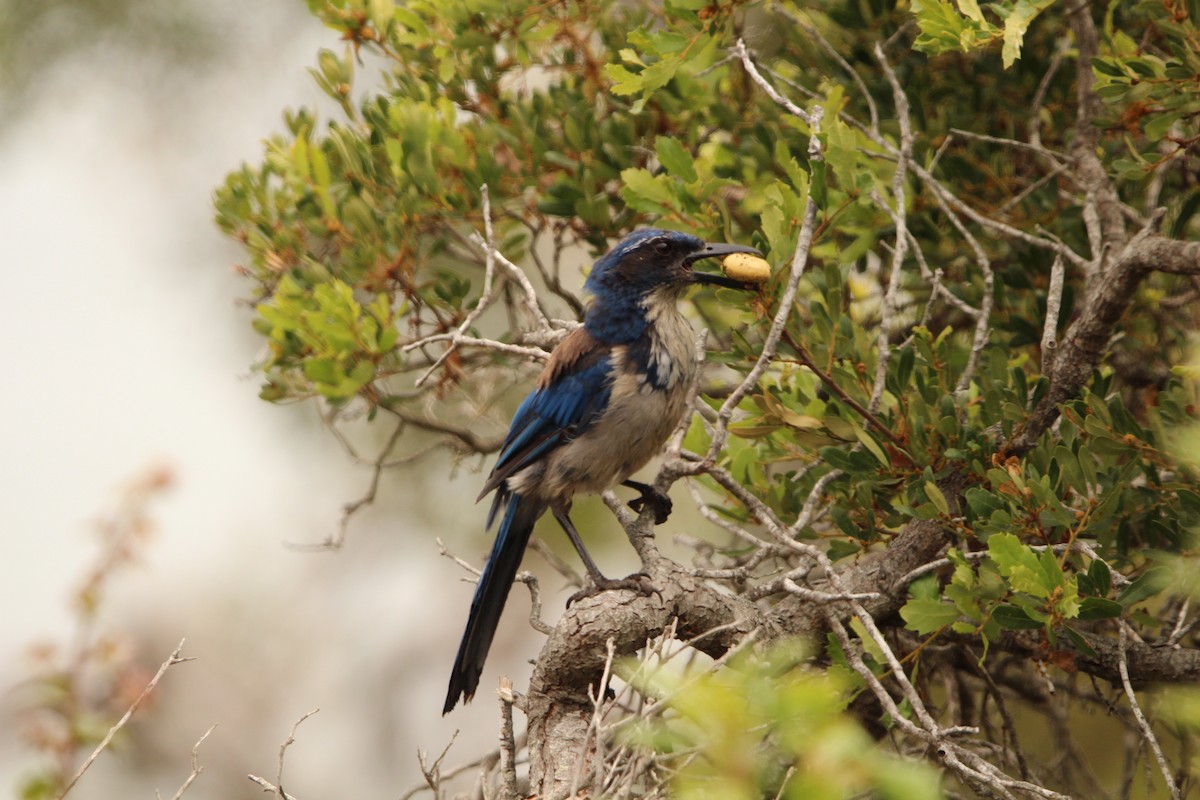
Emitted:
<point x="572" y="392"/>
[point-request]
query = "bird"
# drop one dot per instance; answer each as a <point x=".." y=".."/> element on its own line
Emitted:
<point x="608" y="398"/>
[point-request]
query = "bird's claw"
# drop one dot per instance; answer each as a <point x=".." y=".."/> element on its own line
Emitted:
<point x="657" y="500"/>
<point x="637" y="582"/>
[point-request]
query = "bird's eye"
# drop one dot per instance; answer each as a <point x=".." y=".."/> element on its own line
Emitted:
<point x="662" y="247"/>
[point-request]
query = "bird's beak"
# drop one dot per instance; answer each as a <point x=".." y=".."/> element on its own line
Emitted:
<point x="719" y="250"/>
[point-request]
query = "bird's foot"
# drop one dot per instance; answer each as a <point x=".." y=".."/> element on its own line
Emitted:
<point x="655" y="499"/>
<point x="637" y="582"/>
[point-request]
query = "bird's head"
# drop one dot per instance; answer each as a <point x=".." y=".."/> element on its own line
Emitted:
<point x="651" y="259"/>
<point x="648" y="269"/>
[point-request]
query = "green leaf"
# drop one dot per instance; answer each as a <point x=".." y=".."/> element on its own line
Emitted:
<point x="1146" y="585"/>
<point x="937" y="498"/>
<point x="323" y="370"/>
<point x="1158" y="127"/>
<point x="836" y="458"/>
<point x="1068" y="465"/>
<point x="323" y="178"/>
<point x="970" y="9"/>
<point x="1013" y="618"/>
<point x="675" y="158"/>
<point x="904" y="366"/>
<point x="924" y="587"/>
<point x="624" y="81"/>
<point x="1081" y="644"/>
<point x="1018" y="21"/>
<point x="840" y="548"/>
<point x="382" y="12"/>
<point x="646" y="192"/>
<point x="944" y="28"/>
<point x="1099" y="608"/>
<point x="982" y="502"/>
<point x="872" y="446"/>
<point x="1051" y="570"/>
<point x="1100" y="576"/>
<point x="1019" y="564"/>
<point x="925" y="615"/>
<point x="818" y="190"/>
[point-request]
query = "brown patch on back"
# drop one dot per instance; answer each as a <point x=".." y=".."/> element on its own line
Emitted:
<point x="578" y="345"/>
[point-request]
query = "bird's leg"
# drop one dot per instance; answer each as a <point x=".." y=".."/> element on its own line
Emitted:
<point x="560" y="514"/>
<point x="656" y="499"/>
<point x="637" y="582"/>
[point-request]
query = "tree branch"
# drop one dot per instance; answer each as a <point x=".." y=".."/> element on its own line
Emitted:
<point x="1102" y="213"/>
<point x="172" y="660"/>
<point x="574" y="657"/>
<point x="1086" y="341"/>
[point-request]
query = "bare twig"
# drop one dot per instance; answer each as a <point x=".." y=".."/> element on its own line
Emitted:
<point x="935" y="280"/>
<point x="267" y="786"/>
<point x="432" y="781"/>
<point x="556" y="562"/>
<point x="485" y="297"/>
<point x="1020" y="196"/>
<point x="336" y="540"/>
<point x="1039" y="96"/>
<point x="736" y="530"/>
<point x="743" y="55"/>
<point x="1053" y="304"/>
<point x="1182" y="625"/>
<point x="196" y="768"/>
<point x="1102" y="215"/>
<point x="593" y="734"/>
<point x="805" y="358"/>
<point x="951" y="200"/>
<point x="535" y="602"/>
<point x="443" y="551"/>
<point x="528" y="293"/>
<point x="808" y="512"/>
<point x="172" y="660"/>
<point x="832" y="52"/>
<point x="277" y="787"/>
<point x="899" y="216"/>
<point x="1010" y="727"/>
<point x="815" y="596"/>
<point x="778" y="327"/>
<point x="461" y="340"/>
<point x="1147" y="731"/>
<point x="1108" y="297"/>
<point x="949" y="203"/>
<point x="508" y="747"/>
<point x="1017" y="143"/>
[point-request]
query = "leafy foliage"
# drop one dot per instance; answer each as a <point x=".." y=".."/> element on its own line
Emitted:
<point x="769" y="726"/>
<point x="915" y="347"/>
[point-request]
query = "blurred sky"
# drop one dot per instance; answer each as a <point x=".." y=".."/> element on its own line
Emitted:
<point x="123" y="348"/>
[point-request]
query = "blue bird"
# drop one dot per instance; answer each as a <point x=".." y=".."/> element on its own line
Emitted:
<point x="608" y="398"/>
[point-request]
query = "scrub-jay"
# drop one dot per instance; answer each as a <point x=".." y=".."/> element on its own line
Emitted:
<point x="608" y="398"/>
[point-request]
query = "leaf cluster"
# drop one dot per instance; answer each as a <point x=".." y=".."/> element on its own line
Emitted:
<point x="768" y="725"/>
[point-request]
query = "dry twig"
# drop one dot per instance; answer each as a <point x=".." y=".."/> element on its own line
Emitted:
<point x="196" y="768"/>
<point x="277" y="786"/>
<point x="172" y="660"/>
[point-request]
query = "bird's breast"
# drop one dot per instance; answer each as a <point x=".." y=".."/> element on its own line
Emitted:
<point x="650" y="380"/>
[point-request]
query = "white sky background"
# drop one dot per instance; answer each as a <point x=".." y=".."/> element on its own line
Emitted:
<point x="123" y="348"/>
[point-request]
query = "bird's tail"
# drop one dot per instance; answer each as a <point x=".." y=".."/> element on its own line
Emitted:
<point x="491" y="592"/>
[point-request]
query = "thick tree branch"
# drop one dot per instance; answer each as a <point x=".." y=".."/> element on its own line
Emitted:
<point x="1147" y="664"/>
<point x="573" y="658"/>
<point x="1086" y="341"/>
